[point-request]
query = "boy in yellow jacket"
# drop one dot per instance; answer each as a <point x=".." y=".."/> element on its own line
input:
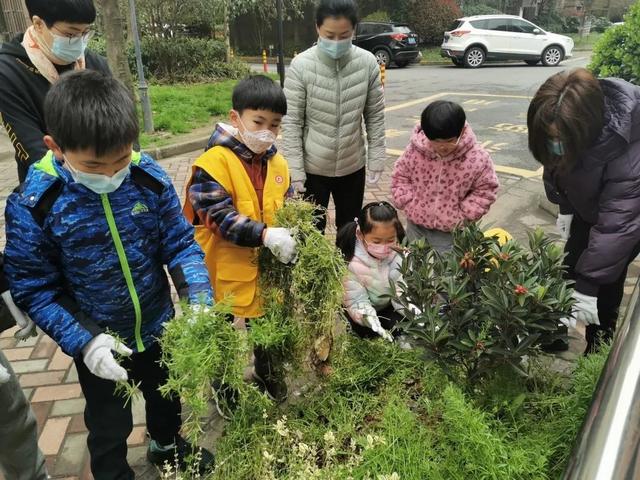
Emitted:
<point x="236" y="186"/>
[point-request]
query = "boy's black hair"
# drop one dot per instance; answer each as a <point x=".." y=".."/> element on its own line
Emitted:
<point x="89" y="110"/>
<point x="337" y="8"/>
<point x="371" y="213"/>
<point x="71" y="11"/>
<point x="442" y="120"/>
<point x="258" y="92"/>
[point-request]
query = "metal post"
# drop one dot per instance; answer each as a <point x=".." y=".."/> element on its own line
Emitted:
<point x="280" y="41"/>
<point x="264" y="61"/>
<point x="142" y="83"/>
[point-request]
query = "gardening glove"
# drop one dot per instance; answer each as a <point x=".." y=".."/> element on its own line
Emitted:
<point x="27" y="326"/>
<point x="569" y="322"/>
<point x="4" y="375"/>
<point x="281" y="243"/>
<point x="373" y="177"/>
<point x="370" y="319"/>
<point x="585" y="309"/>
<point x="298" y="187"/>
<point x="563" y="225"/>
<point x="101" y="362"/>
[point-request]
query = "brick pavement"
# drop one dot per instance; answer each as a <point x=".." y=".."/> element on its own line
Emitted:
<point x="48" y="376"/>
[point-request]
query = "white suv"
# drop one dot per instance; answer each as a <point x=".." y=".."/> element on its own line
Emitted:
<point x="472" y="40"/>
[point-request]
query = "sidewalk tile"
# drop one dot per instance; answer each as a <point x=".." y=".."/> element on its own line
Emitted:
<point x="45" y="348"/>
<point x="60" y="361"/>
<point x="56" y="392"/>
<point x="138" y="436"/>
<point x="29" y="366"/>
<point x="72" y="376"/>
<point x="52" y="435"/>
<point x="41" y="378"/>
<point x="73" y="406"/>
<point x="71" y="458"/>
<point x="77" y="424"/>
<point x="41" y="412"/>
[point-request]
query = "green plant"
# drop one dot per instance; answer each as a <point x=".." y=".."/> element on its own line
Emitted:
<point x="483" y="305"/>
<point x="616" y="53"/>
<point x="302" y="301"/>
<point x="469" y="10"/>
<point x="198" y="346"/>
<point x="377" y="16"/>
<point x="429" y="18"/>
<point x="600" y="24"/>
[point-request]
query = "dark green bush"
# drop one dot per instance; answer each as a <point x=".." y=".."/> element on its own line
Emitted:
<point x="479" y="9"/>
<point x="616" y="53"/>
<point x="600" y="24"/>
<point x="180" y="59"/>
<point x="571" y="24"/>
<point x="431" y="18"/>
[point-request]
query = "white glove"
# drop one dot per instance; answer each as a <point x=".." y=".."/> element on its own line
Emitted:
<point x="4" y="375"/>
<point x="585" y="309"/>
<point x="568" y="322"/>
<point x="563" y="225"/>
<point x="370" y="319"/>
<point x="298" y="187"/>
<point x="373" y="176"/>
<point x="27" y="326"/>
<point x="100" y="361"/>
<point x="281" y="243"/>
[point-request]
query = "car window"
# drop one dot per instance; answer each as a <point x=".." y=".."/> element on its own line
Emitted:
<point x="364" y="29"/>
<point x="455" y="24"/>
<point x="480" y="24"/>
<point x="401" y="29"/>
<point x="498" y="24"/>
<point x="520" y="26"/>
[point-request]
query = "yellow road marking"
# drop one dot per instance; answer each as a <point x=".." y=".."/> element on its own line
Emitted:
<point x="519" y="172"/>
<point x="414" y="102"/>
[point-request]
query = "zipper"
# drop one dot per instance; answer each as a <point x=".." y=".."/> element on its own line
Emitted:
<point x="339" y="112"/>
<point x="126" y="271"/>
<point x="438" y="188"/>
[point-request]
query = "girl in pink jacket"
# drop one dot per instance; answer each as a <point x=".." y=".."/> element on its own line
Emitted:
<point x="444" y="177"/>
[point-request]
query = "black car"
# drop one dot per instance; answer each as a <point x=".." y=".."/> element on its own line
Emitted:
<point x="389" y="42"/>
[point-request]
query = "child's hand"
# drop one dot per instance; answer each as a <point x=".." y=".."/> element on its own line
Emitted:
<point x="101" y="362"/>
<point x="281" y="243"/>
<point x="27" y="326"/>
<point x="298" y="187"/>
<point x="373" y="176"/>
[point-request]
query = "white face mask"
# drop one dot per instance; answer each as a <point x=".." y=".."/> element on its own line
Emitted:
<point x="97" y="182"/>
<point x="258" y="142"/>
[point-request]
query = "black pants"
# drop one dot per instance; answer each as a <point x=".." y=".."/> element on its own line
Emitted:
<point x="348" y="194"/>
<point x="609" y="296"/>
<point x="110" y="422"/>
<point x="388" y="319"/>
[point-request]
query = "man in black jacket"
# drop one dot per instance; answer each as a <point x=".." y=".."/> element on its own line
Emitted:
<point x="55" y="43"/>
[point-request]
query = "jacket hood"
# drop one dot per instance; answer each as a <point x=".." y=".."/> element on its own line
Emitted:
<point x="621" y="121"/>
<point x="420" y="141"/>
<point x="14" y="48"/>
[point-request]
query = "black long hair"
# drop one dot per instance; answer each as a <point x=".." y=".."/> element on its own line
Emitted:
<point x="371" y="213"/>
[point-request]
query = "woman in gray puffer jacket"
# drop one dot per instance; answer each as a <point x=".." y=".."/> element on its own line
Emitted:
<point x="331" y="88"/>
<point x="586" y="133"/>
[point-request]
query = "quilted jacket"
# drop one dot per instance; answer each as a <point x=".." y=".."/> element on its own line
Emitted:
<point x="604" y="189"/>
<point x="440" y="193"/>
<point x="369" y="281"/>
<point x="327" y="100"/>
<point x="80" y="263"/>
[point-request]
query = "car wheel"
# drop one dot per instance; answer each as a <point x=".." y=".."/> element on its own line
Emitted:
<point x="474" y="57"/>
<point x="383" y="57"/>
<point x="457" y="62"/>
<point x="552" y="56"/>
<point x="531" y="62"/>
<point x="402" y="64"/>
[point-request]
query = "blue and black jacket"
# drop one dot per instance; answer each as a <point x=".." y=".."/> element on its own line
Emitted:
<point x="81" y="263"/>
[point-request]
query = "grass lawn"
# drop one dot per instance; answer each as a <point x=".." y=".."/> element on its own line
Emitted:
<point x="585" y="42"/>
<point x="179" y="109"/>
<point x="431" y="55"/>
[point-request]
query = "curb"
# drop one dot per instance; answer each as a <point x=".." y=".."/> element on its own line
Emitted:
<point x="180" y="148"/>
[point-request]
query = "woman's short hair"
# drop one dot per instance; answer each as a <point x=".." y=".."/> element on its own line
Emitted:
<point x="337" y="8"/>
<point x="567" y="108"/>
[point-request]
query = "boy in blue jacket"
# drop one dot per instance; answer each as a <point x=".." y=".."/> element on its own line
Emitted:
<point x="88" y="235"/>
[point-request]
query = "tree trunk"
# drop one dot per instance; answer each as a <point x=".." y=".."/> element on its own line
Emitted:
<point x="226" y="31"/>
<point x="114" y="32"/>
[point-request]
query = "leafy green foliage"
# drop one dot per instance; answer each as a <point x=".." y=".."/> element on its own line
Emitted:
<point x="470" y="9"/>
<point x="483" y="305"/>
<point x="377" y="16"/>
<point x="616" y="53"/>
<point x="431" y="18"/>
<point x="302" y="301"/>
<point x="198" y="346"/>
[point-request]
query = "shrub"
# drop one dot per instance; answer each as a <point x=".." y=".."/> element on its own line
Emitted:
<point x="377" y="16"/>
<point x="571" y="24"/>
<point x="600" y="24"/>
<point x="551" y="21"/>
<point x="616" y="52"/>
<point x="483" y="305"/>
<point x="170" y="60"/>
<point x="431" y="18"/>
<point x="479" y="9"/>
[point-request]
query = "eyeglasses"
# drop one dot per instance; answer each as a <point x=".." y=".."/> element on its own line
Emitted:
<point x="85" y="36"/>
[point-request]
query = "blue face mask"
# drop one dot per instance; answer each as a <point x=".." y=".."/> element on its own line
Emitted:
<point x="98" y="183"/>
<point x="334" y="48"/>
<point x="68" y="49"/>
<point x="556" y="147"/>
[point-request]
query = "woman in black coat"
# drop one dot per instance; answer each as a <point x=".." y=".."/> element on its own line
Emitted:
<point x="586" y="133"/>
